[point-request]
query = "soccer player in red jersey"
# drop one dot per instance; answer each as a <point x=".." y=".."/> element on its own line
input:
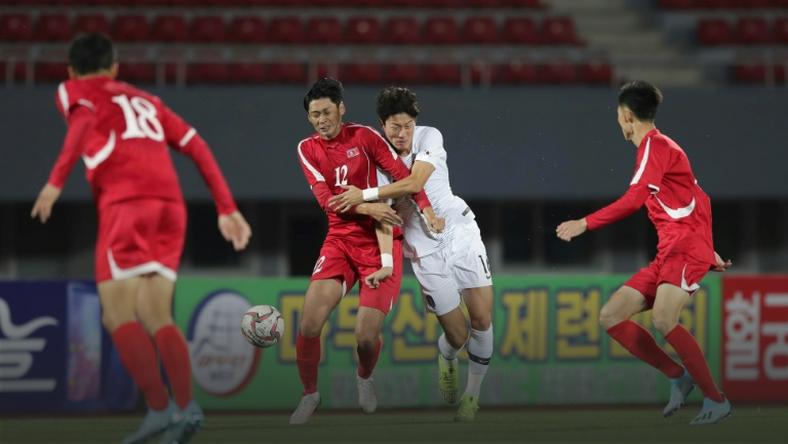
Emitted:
<point x="342" y="154"/>
<point x="123" y="134"/>
<point x="681" y="212"/>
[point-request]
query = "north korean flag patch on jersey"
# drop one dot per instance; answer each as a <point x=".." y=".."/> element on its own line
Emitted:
<point x="353" y="152"/>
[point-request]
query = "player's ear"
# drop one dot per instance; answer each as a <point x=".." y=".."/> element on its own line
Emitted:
<point x="342" y="108"/>
<point x="113" y="71"/>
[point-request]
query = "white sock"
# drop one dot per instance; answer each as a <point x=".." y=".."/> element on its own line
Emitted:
<point x="480" y="350"/>
<point x="446" y="349"/>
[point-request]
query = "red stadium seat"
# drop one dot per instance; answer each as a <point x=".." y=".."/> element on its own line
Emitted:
<point x="781" y="31"/>
<point x="362" y="30"/>
<point x="324" y="31"/>
<point x="207" y="29"/>
<point x="442" y="74"/>
<point x="520" y="31"/>
<point x="170" y="28"/>
<point x="50" y="72"/>
<point x="402" y="31"/>
<point x="677" y="4"/>
<point x="516" y="72"/>
<point x="714" y="32"/>
<point x="595" y="73"/>
<point x="561" y="73"/>
<point x="92" y="23"/>
<point x="249" y="73"/>
<point x="16" y="28"/>
<point x="559" y="31"/>
<point x="749" y="73"/>
<point x="53" y="28"/>
<point x="137" y="72"/>
<point x="286" y="30"/>
<point x="441" y="31"/>
<point x="779" y="74"/>
<point x="287" y="72"/>
<point x="361" y="73"/>
<point x="402" y="73"/>
<point x="480" y="30"/>
<point x="212" y="73"/>
<point x="247" y="30"/>
<point x="753" y="31"/>
<point x="130" y="28"/>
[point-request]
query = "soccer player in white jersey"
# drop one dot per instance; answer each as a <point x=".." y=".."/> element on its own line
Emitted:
<point x="449" y="265"/>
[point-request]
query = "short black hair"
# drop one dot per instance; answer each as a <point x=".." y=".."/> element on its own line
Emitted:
<point x="90" y="53"/>
<point x="395" y="100"/>
<point x="642" y="98"/>
<point x="326" y="87"/>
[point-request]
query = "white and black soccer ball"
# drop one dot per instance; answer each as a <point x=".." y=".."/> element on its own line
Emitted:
<point x="262" y="325"/>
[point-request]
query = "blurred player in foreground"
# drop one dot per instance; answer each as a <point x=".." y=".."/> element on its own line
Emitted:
<point x="123" y="134"/>
<point x="681" y="213"/>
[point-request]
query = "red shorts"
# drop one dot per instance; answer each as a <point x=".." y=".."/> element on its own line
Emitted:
<point x="679" y="270"/>
<point x="349" y="263"/>
<point x="138" y="237"/>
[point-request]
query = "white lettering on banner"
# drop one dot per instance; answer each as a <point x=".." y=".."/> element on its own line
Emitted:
<point x="742" y="329"/>
<point x="780" y="347"/>
<point x="16" y="353"/>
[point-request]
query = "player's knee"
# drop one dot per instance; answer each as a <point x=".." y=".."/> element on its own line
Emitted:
<point x="481" y="323"/>
<point x="664" y="324"/>
<point x="309" y="327"/>
<point x="608" y="318"/>
<point x="457" y="337"/>
<point x="366" y="342"/>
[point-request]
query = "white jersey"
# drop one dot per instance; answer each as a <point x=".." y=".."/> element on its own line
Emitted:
<point x="419" y="242"/>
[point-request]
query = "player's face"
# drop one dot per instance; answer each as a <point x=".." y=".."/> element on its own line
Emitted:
<point x="626" y="121"/>
<point x="326" y="117"/>
<point x="399" y="131"/>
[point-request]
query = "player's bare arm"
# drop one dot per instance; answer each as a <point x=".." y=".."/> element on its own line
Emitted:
<point x="381" y="212"/>
<point x="571" y="229"/>
<point x="385" y="235"/>
<point x="412" y="184"/>
<point x="42" y="208"/>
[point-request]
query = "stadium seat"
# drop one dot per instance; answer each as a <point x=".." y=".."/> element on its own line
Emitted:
<point x="516" y="72"/>
<point x="561" y="73"/>
<point x="714" y="32"/>
<point x="362" y="30"/>
<point x="143" y="73"/>
<point x="170" y="28"/>
<point x="402" y="31"/>
<point x="520" y="31"/>
<point x="209" y="29"/>
<point x="92" y="23"/>
<point x="781" y="31"/>
<point x="288" y="30"/>
<point x="130" y="28"/>
<point x="324" y="31"/>
<point x="480" y="30"/>
<point x="247" y="30"/>
<point x="441" y="31"/>
<point x="286" y="72"/>
<point x="749" y="73"/>
<point x="361" y="73"/>
<point x="559" y="31"/>
<point x="676" y="4"/>
<point x="402" y="73"/>
<point x="249" y="73"/>
<point x="442" y="74"/>
<point x="595" y="73"/>
<point x="50" y="72"/>
<point x="753" y="31"/>
<point x="212" y="73"/>
<point x="53" y="28"/>
<point x="16" y="28"/>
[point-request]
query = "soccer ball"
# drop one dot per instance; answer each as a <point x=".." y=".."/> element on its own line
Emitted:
<point x="262" y="325"/>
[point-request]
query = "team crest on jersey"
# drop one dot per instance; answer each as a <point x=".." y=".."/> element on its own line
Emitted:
<point x="353" y="152"/>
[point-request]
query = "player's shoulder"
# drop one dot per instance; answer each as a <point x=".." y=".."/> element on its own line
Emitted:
<point x="361" y="130"/>
<point x="308" y="142"/>
<point x="121" y="87"/>
<point x="662" y="144"/>
<point x="427" y="132"/>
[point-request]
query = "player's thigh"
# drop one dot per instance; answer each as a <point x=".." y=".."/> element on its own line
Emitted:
<point x="679" y="278"/>
<point x="118" y="301"/>
<point x="321" y="298"/>
<point x="369" y="324"/>
<point x="334" y="263"/>
<point x="468" y="259"/>
<point x="438" y="286"/>
<point x="622" y="305"/>
<point x="479" y="301"/>
<point x="168" y="240"/>
<point x="367" y="261"/>
<point x="667" y="306"/>
<point x="455" y="326"/>
<point x="154" y="301"/>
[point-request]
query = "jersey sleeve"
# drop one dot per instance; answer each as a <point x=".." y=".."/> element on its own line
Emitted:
<point x="433" y="150"/>
<point x="650" y="168"/>
<point x="80" y="122"/>
<point x="70" y="97"/>
<point x="387" y="159"/>
<point x="184" y="138"/>
<point x="315" y="179"/>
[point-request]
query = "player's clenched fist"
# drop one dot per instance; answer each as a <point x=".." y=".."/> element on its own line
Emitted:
<point x="235" y="229"/>
<point x="571" y="228"/>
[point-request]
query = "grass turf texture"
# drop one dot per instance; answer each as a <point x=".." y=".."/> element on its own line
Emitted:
<point x="532" y="425"/>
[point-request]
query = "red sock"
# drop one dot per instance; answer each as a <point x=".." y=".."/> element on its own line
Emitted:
<point x="367" y="358"/>
<point x="638" y="341"/>
<point x="308" y="358"/>
<point x="139" y="358"/>
<point x="175" y="355"/>
<point x="692" y="357"/>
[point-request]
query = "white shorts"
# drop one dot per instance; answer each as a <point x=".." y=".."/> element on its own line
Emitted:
<point x="462" y="263"/>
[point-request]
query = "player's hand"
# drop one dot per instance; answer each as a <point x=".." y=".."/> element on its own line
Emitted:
<point x="345" y="201"/>
<point x="47" y="197"/>
<point x="434" y="223"/>
<point x="571" y="229"/>
<point x="721" y="264"/>
<point x="382" y="213"/>
<point x="235" y="229"/>
<point x="374" y="279"/>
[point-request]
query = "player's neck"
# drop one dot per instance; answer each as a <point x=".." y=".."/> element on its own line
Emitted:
<point x="641" y="129"/>
<point x="93" y="75"/>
